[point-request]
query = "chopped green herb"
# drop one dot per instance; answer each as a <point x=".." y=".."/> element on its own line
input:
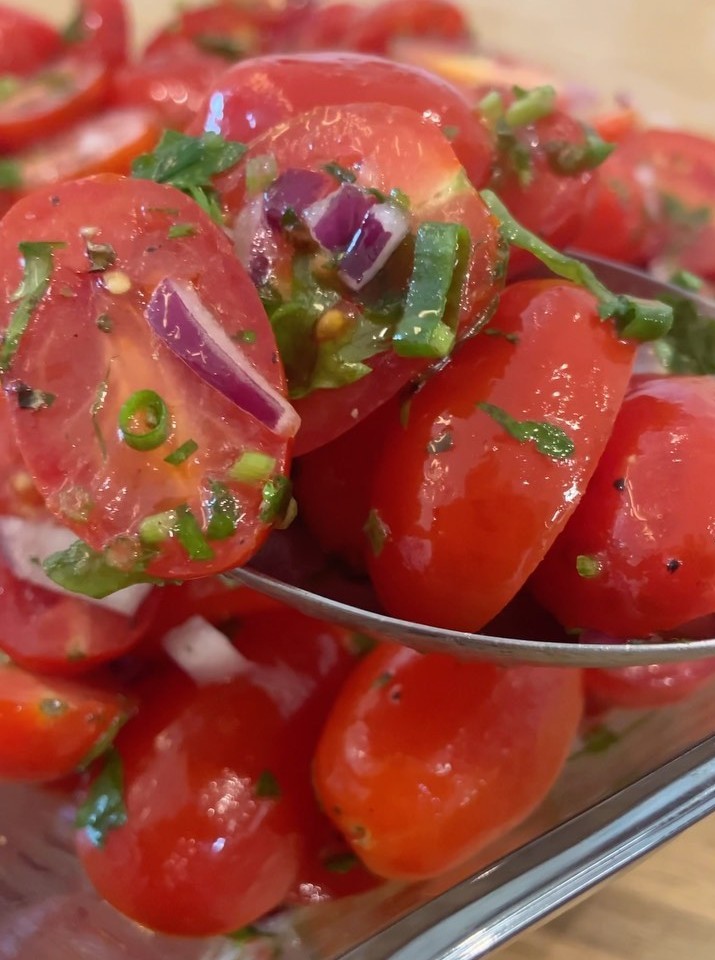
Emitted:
<point x="29" y="399"/>
<point x="572" y="158"/>
<point x="687" y="280"/>
<point x="244" y="336"/>
<point x="261" y="171"/>
<point x="361" y="643"/>
<point x="383" y="680"/>
<point x="99" y="401"/>
<point x="190" y="535"/>
<point x="83" y="570"/>
<point x="341" y="862"/>
<point x="689" y="347"/>
<point x="9" y="85"/>
<point x="399" y="197"/>
<point x="496" y="332"/>
<point x="514" y="155"/>
<point x="104" y="808"/>
<point x="588" y="567"/>
<point x="530" y="106"/>
<point x="428" y="324"/>
<point x="689" y="219"/>
<point x="37" y="261"/>
<point x="144" y="420"/>
<point x="548" y="439"/>
<point x="275" y="503"/>
<point x="223" y="45"/>
<point x="179" y="230"/>
<point x="10" y="174"/>
<point x="450" y="131"/>
<point x="101" y="256"/>
<point x="341" y="174"/>
<point x="189" y="164"/>
<point x="224" y="515"/>
<point x="441" y="444"/>
<point x="376" y="531"/>
<point x="104" y="323"/>
<point x="182" y="453"/>
<point x="267" y="787"/>
<point x="252" y="467"/>
<point x="158" y="527"/>
<point x="53" y="707"/>
<point x="246" y="934"/>
<point x="103" y="742"/>
<point x="635" y="318"/>
<point x="75" y="31"/>
<point x="599" y="739"/>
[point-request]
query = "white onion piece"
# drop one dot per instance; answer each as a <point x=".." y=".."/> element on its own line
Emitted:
<point x="192" y="333"/>
<point x="203" y="652"/>
<point x="396" y="225"/>
<point x="25" y="543"/>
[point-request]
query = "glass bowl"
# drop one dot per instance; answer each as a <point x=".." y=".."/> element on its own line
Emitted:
<point x="611" y="805"/>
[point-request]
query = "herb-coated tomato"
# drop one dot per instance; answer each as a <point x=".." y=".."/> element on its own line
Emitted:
<point x="381" y="25"/>
<point x="638" y="555"/>
<point x="259" y="94"/>
<point x="55" y="97"/>
<point x="103" y="144"/>
<point x="339" y="339"/>
<point x="498" y="448"/>
<point x="100" y="31"/>
<point x="172" y="83"/>
<point x="26" y="43"/>
<point x="49" y="727"/>
<point x="425" y="759"/>
<point x="82" y="427"/>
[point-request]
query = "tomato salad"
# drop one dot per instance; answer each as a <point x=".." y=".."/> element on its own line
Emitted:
<point x="277" y="272"/>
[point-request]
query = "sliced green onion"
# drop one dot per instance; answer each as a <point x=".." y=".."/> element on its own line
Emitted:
<point x="276" y="500"/>
<point x="190" y="535"/>
<point x="38" y="265"/>
<point x="530" y="106"/>
<point x="439" y="253"/>
<point x="223" y="513"/>
<point x="252" y="467"/>
<point x="144" y="420"/>
<point x="178" y="230"/>
<point x="588" y="567"/>
<point x="491" y="106"/>
<point x="635" y="319"/>
<point x="261" y="171"/>
<point x="158" y="527"/>
<point x="182" y="453"/>
<point x="572" y="158"/>
<point x="687" y="280"/>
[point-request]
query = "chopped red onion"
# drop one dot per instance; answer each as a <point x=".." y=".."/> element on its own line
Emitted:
<point x="192" y="333"/>
<point x="203" y="652"/>
<point x="292" y="190"/>
<point x="25" y="543"/>
<point x="381" y="233"/>
<point x="334" y="220"/>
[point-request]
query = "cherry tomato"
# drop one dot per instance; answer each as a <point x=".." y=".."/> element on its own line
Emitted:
<point x="638" y="557"/>
<point x="329" y="27"/>
<point x="103" y="144"/>
<point x="258" y="94"/>
<point x="360" y="140"/>
<point x="19" y="496"/>
<point x="462" y="509"/>
<point x="426" y="759"/>
<point x="26" y="42"/>
<point x="50" y="726"/>
<point x="646" y="688"/>
<point x="46" y="102"/>
<point x="78" y="448"/>
<point x="172" y="83"/>
<point x="381" y="25"/>
<point x="100" y="31"/>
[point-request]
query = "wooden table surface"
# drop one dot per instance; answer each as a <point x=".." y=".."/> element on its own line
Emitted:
<point x="663" y="52"/>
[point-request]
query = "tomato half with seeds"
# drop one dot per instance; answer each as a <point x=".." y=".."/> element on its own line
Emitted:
<point x="497" y="450"/>
<point x="348" y="319"/>
<point x="425" y="759"/>
<point x="261" y="93"/>
<point x="135" y="449"/>
<point x="638" y="556"/>
<point x="58" y="95"/>
<point x="26" y="42"/>
<point x="49" y="726"/>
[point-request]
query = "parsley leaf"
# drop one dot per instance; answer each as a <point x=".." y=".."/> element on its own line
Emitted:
<point x="38" y="265"/>
<point x="104" y="808"/>
<point x="83" y="570"/>
<point x="548" y="439"/>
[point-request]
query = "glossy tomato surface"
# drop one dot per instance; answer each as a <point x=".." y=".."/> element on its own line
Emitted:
<point x="425" y="759"/>
<point x="93" y="480"/>
<point x="464" y="504"/>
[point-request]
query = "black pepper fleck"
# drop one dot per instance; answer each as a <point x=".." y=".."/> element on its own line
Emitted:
<point x="55" y="201"/>
<point x="672" y="565"/>
<point x="619" y="484"/>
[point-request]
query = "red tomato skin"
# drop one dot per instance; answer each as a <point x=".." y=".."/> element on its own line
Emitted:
<point x="256" y="95"/>
<point x="104" y="32"/>
<point x="646" y="519"/>
<point x="52" y="107"/>
<point x="364" y="135"/>
<point x="329" y="27"/>
<point x="173" y="84"/>
<point x="425" y="759"/>
<point x="649" y="687"/>
<point x="49" y="725"/>
<point x="379" y="26"/>
<point x="26" y="42"/>
<point x="132" y="216"/>
<point x="464" y="528"/>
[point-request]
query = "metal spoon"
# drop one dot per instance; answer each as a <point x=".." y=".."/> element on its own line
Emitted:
<point x="281" y="580"/>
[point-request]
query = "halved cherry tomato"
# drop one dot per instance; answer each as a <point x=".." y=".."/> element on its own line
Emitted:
<point x="26" y="42"/>
<point x="464" y="504"/>
<point x="19" y="496"/>
<point x="425" y="759"/>
<point x="101" y="32"/>
<point x="172" y="83"/>
<point x="46" y="102"/>
<point x="261" y="93"/>
<point x="50" y="726"/>
<point x="381" y="25"/>
<point x="638" y="555"/>
<point x="118" y="247"/>
<point x="103" y="144"/>
<point x="367" y="141"/>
